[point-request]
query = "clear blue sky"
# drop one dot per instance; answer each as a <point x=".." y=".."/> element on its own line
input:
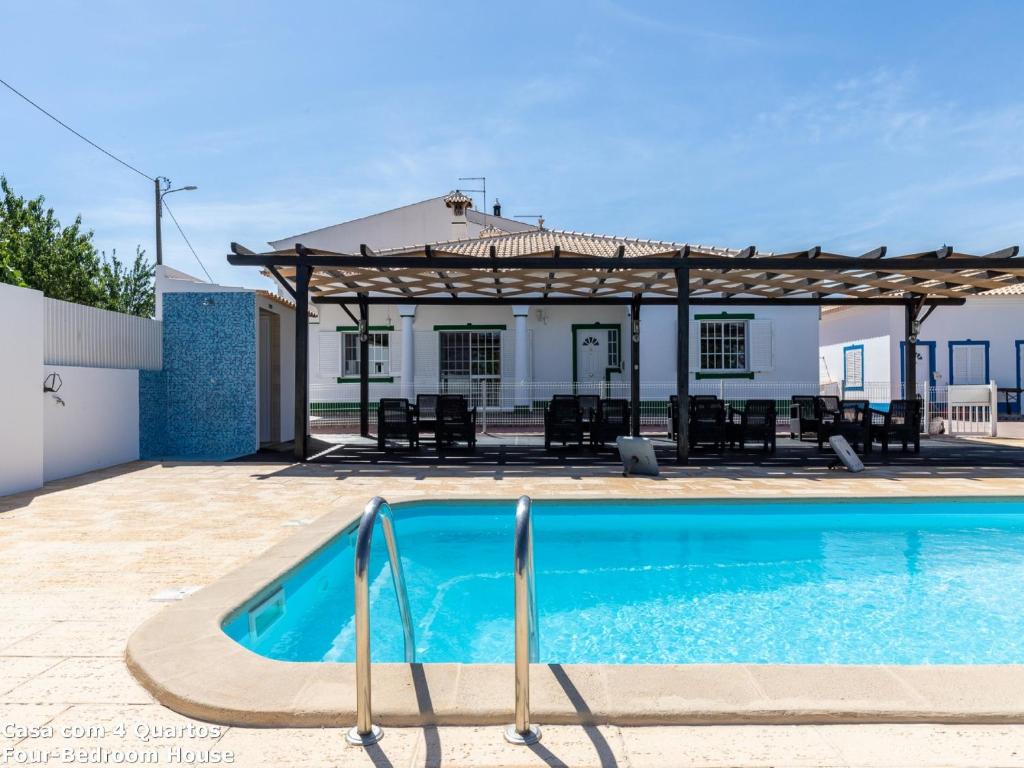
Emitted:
<point x="783" y="124"/>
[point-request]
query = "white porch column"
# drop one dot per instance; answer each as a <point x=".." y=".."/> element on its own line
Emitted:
<point x="408" y="314"/>
<point x="522" y="395"/>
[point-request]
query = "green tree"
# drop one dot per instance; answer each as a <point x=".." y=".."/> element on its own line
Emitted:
<point x="62" y="262"/>
<point x="128" y="290"/>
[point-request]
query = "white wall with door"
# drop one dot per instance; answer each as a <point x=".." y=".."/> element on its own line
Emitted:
<point x="979" y="341"/>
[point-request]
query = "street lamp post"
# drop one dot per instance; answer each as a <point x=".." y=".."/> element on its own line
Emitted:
<point x="159" y="195"/>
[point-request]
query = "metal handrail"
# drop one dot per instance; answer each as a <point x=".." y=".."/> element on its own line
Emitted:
<point x="527" y="642"/>
<point x="365" y="732"/>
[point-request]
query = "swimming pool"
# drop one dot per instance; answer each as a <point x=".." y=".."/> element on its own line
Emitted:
<point x="922" y="581"/>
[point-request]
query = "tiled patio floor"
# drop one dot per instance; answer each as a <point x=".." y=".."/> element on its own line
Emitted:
<point x="81" y="561"/>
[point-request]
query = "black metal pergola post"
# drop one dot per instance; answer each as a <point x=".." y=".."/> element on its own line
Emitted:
<point x="910" y="351"/>
<point x="634" y="367"/>
<point x="301" y="417"/>
<point x="364" y="369"/>
<point x="683" y="363"/>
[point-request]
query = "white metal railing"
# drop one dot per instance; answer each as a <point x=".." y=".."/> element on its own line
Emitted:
<point x="97" y="338"/>
<point x="972" y="409"/>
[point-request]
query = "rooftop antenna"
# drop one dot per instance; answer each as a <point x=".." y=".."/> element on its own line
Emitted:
<point x="483" y="190"/>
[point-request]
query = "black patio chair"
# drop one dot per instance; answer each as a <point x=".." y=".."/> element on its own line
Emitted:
<point x="610" y="422"/>
<point x="563" y="421"/>
<point x="754" y="421"/>
<point x="673" y="411"/>
<point x="425" y="412"/>
<point x="901" y="424"/>
<point x="588" y="410"/>
<point x="803" y="416"/>
<point x="395" y="420"/>
<point x="851" y="420"/>
<point x="707" y="422"/>
<point x="456" y="421"/>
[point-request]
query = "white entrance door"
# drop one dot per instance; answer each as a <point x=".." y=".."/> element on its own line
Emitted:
<point x="591" y="356"/>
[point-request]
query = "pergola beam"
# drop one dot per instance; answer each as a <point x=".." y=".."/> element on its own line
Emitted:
<point x="494" y="301"/>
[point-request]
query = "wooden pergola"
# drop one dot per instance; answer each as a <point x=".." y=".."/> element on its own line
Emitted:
<point x="567" y="268"/>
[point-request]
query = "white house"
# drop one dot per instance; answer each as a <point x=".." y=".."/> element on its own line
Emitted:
<point x="976" y="343"/>
<point x="526" y="353"/>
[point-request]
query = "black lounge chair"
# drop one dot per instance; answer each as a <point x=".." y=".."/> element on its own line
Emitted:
<point x="851" y="420"/>
<point x="754" y="421"/>
<point x="901" y="424"/>
<point x="707" y="423"/>
<point x="673" y="411"/>
<point x="425" y="412"/>
<point x="610" y="422"/>
<point x="588" y="410"/>
<point x="803" y="416"/>
<point x="456" y="421"/>
<point x="395" y="420"/>
<point x="563" y="421"/>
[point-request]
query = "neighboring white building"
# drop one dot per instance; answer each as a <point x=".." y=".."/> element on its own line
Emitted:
<point x="538" y="349"/>
<point x="976" y="343"/>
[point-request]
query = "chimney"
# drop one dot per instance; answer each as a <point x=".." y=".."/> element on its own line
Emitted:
<point x="458" y="202"/>
<point x="497" y="207"/>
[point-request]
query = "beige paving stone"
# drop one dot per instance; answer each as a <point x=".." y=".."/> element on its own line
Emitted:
<point x="15" y="671"/>
<point x="78" y="681"/>
<point x="740" y="746"/>
<point x="904" y="746"/>
<point x="322" y="747"/>
<point x="74" y="638"/>
<point x="14" y="717"/>
<point x="485" y="747"/>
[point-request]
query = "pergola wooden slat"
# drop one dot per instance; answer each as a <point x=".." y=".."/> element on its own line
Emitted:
<point x="568" y="268"/>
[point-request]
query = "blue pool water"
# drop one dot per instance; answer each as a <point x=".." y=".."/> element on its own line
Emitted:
<point x="809" y="581"/>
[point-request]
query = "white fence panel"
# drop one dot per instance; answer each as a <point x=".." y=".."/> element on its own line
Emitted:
<point x="972" y="409"/>
<point x="96" y="338"/>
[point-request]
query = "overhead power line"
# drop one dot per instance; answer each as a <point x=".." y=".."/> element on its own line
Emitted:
<point x="182" y="232"/>
<point x="112" y="156"/>
<point x="61" y="123"/>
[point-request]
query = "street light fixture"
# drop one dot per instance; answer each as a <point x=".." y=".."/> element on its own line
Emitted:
<point x="159" y="195"/>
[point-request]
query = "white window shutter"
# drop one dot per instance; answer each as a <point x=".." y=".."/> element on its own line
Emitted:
<point x="395" y="353"/>
<point x="853" y="367"/>
<point x="761" y="345"/>
<point x="694" y="345"/>
<point x="329" y="351"/>
<point x="968" y="364"/>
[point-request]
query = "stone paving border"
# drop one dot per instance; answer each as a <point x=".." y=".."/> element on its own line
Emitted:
<point x="190" y="665"/>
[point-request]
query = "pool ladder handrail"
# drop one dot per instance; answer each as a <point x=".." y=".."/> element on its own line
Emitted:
<point x="526" y="628"/>
<point x="365" y="732"/>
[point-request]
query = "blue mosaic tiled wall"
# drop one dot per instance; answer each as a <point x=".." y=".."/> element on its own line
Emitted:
<point x="202" y="405"/>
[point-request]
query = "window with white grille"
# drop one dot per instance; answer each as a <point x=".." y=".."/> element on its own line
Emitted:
<point x="614" y="348"/>
<point x="379" y="354"/>
<point x="723" y="345"/>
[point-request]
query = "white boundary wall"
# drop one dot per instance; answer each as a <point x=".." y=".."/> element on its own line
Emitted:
<point x="21" y="385"/>
<point x="98" y="424"/>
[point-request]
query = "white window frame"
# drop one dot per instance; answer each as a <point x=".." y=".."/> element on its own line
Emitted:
<point x="722" y="354"/>
<point x="380" y="354"/>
